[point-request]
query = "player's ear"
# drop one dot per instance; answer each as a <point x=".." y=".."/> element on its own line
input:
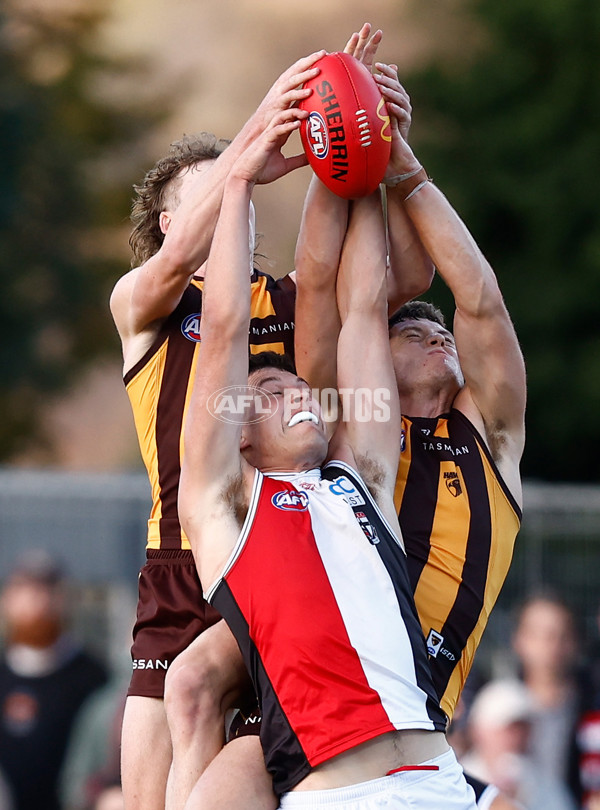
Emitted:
<point x="164" y="220"/>
<point x="244" y="441"/>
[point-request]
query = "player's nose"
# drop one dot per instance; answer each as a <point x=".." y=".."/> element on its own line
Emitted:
<point x="436" y="339"/>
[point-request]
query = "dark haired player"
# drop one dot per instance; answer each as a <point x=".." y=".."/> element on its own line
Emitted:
<point x="458" y="491"/>
<point x="323" y="613"/>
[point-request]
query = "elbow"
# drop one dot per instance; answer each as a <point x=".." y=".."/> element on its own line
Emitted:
<point x="175" y="264"/>
<point x="179" y="258"/>
<point x="316" y="271"/>
<point x="399" y="294"/>
<point x="368" y="300"/>
<point x="224" y="319"/>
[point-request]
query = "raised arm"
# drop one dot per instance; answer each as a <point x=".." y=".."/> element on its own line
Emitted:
<point x="214" y="474"/>
<point x="410" y="269"/>
<point x="491" y="360"/>
<point x="318" y="250"/>
<point x="368" y="436"/>
<point x="152" y="291"/>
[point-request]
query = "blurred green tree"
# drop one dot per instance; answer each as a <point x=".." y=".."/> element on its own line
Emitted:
<point x="70" y="153"/>
<point x="509" y="129"/>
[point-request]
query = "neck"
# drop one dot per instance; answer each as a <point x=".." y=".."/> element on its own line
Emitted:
<point x="307" y="459"/>
<point x="289" y="469"/>
<point x="286" y="475"/>
<point x="548" y="683"/>
<point x="425" y="404"/>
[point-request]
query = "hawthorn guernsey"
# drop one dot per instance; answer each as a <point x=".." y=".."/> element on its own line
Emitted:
<point x="346" y="136"/>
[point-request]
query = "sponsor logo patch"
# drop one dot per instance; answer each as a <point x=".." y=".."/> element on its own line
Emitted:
<point x="290" y="501"/>
<point x="343" y="487"/>
<point x="150" y="663"/>
<point x="434" y="643"/>
<point x="452" y="482"/>
<point x="190" y="327"/>
<point x="368" y="528"/>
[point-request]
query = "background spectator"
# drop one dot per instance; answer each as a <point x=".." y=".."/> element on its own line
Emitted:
<point x="110" y="798"/>
<point x="6" y="802"/>
<point x="500" y="725"/>
<point x="546" y="644"/>
<point x="588" y="729"/>
<point x="44" y="678"/>
<point x="92" y="760"/>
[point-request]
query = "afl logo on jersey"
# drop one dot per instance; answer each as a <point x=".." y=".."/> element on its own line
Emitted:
<point x="290" y="500"/>
<point x="190" y="327"/>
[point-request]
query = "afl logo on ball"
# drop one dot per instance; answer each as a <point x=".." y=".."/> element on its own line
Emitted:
<point x="290" y="500"/>
<point x="317" y="135"/>
<point x="190" y="328"/>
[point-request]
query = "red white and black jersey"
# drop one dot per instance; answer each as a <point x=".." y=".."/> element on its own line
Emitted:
<point x="316" y="592"/>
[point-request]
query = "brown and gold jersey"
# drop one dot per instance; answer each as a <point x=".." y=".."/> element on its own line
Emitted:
<point x="159" y="389"/>
<point x="459" y="523"/>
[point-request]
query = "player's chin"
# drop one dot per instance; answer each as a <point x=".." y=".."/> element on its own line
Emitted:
<point x="307" y="435"/>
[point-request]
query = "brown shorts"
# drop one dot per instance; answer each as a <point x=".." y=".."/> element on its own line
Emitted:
<point x="246" y="721"/>
<point x="171" y="613"/>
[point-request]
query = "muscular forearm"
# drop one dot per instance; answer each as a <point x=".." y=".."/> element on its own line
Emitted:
<point x="188" y="240"/>
<point x="364" y="360"/>
<point x="226" y="298"/>
<point x="410" y="268"/>
<point x="453" y="250"/>
<point x="318" y="249"/>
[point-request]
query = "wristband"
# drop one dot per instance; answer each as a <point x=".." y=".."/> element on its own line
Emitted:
<point x="417" y="188"/>
<point x="409" y="181"/>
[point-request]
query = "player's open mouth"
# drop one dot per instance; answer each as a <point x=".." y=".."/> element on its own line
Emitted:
<point x="303" y="416"/>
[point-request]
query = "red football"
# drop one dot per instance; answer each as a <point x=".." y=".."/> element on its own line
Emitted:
<point x="347" y="136"/>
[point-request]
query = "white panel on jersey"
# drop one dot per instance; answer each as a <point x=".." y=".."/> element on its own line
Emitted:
<point x="369" y="607"/>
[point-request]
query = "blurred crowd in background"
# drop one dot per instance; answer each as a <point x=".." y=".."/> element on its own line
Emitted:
<point x="529" y="721"/>
<point x="532" y="727"/>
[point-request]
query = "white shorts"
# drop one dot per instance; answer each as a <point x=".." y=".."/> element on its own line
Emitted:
<point x="487" y="797"/>
<point x="408" y="790"/>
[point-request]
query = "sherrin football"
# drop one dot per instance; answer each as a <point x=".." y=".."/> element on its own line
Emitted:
<point x="346" y="137"/>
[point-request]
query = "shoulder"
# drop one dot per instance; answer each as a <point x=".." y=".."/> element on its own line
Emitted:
<point x="501" y="448"/>
<point x="122" y="290"/>
<point x="503" y="443"/>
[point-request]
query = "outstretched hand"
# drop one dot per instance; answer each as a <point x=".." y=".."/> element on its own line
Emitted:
<point x="398" y="104"/>
<point x="288" y="89"/>
<point x="363" y="46"/>
<point x="396" y="97"/>
<point x="263" y="162"/>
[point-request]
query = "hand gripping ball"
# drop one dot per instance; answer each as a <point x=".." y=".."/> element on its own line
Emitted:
<point x="347" y="135"/>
